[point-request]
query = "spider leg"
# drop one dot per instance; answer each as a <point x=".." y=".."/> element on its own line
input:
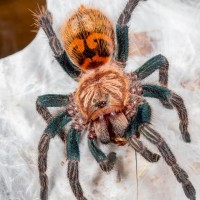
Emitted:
<point x="57" y="123"/>
<point x="43" y="148"/>
<point x="122" y="31"/>
<point x="140" y="148"/>
<point x="54" y="126"/>
<point x="44" y="20"/>
<point x="51" y="100"/>
<point x="105" y="162"/>
<point x="176" y="101"/>
<point x="73" y="157"/>
<point x="157" y="62"/>
<point x="182" y="177"/>
<point x="143" y="115"/>
<point x="141" y="123"/>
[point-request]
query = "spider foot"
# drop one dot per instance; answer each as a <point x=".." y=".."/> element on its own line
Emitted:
<point x="185" y="133"/>
<point x="151" y="157"/>
<point x="44" y="195"/>
<point x="166" y="104"/>
<point x="45" y="21"/>
<point x="186" y="137"/>
<point x="41" y="17"/>
<point x="108" y="164"/>
<point x="189" y="190"/>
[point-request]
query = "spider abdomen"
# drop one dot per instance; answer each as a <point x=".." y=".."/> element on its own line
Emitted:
<point x="102" y="91"/>
<point x="88" y="38"/>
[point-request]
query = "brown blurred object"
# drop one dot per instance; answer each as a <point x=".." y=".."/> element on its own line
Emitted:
<point x="15" y="25"/>
<point x="140" y="44"/>
<point x="196" y="165"/>
<point x="192" y="84"/>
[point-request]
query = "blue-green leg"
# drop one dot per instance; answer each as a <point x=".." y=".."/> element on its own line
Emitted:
<point x="105" y="162"/>
<point x="155" y="138"/>
<point x="57" y="123"/>
<point x="51" y="100"/>
<point x="73" y="156"/>
<point x="157" y="62"/>
<point x="181" y="176"/>
<point x="173" y="99"/>
<point x="54" y="127"/>
<point x="143" y="115"/>
<point x="122" y="43"/>
<point x="122" y="31"/>
<point x="45" y="22"/>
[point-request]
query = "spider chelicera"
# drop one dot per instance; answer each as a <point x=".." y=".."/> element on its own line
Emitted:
<point x="108" y="102"/>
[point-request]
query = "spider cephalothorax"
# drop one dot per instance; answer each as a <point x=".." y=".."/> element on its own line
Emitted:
<point x="108" y="102"/>
<point x="102" y="91"/>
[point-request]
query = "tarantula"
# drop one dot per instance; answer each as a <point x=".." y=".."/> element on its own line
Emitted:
<point x="109" y="103"/>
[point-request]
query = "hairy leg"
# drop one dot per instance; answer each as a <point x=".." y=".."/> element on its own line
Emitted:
<point x="157" y="62"/>
<point x="73" y="157"/>
<point x="140" y="148"/>
<point x="57" y="123"/>
<point x="173" y="99"/>
<point x="105" y="162"/>
<point x="161" y="63"/>
<point x="44" y="20"/>
<point x="125" y="16"/>
<point x="122" y="31"/>
<point x="51" y="100"/>
<point x="143" y="115"/>
<point x="53" y="128"/>
<point x="43" y="148"/>
<point x="182" y="177"/>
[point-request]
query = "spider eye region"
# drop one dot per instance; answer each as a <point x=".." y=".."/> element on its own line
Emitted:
<point x="88" y="38"/>
<point x="101" y="104"/>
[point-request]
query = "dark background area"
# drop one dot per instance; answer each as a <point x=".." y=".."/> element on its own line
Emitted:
<point x="15" y="24"/>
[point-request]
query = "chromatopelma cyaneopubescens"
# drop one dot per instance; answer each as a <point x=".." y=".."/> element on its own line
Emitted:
<point x="109" y="103"/>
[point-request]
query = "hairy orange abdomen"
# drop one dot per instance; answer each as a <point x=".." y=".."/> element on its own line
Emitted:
<point x="88" y="38"/>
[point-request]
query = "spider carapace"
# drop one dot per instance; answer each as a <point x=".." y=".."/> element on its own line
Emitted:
<point x="109" y="103"/>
